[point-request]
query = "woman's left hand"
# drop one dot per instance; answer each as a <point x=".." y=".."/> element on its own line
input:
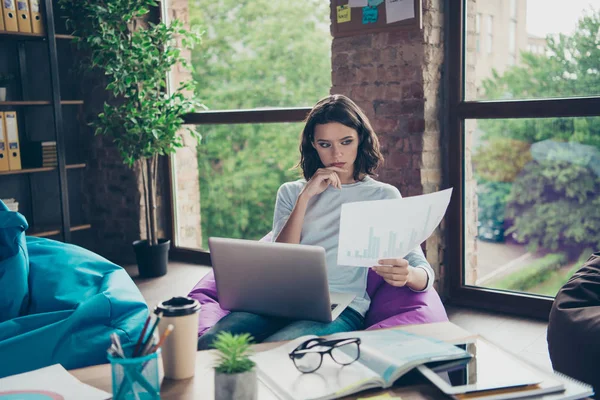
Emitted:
<point x="394" y="271"/>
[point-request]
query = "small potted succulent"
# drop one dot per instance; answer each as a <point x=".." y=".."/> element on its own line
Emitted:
<point x="235" y="375"/>
<point x="4" y="81"/>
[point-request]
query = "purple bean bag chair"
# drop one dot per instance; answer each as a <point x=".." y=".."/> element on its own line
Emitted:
<point x="390" y="306"/>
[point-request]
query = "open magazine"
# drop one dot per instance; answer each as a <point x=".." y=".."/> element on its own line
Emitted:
<point x="385" y="355"/>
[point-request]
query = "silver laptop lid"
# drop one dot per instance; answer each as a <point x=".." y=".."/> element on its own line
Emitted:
<point x="279" y="279"/>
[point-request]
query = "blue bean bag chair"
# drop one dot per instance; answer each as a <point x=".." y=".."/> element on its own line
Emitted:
<point x="59" y="303"/>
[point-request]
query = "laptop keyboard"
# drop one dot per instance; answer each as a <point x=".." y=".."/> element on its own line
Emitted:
<point x="333" y="306"/>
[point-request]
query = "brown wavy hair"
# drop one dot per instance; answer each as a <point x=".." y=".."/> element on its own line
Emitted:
<point x="339" y="108"/>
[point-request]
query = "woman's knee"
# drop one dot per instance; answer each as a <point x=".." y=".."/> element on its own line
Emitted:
<point x="205" y="341"/>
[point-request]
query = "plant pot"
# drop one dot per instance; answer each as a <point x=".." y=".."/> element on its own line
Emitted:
<point x="152" y="260"/>
<point x="242" y="386"/>
<point x="2" y="94"/>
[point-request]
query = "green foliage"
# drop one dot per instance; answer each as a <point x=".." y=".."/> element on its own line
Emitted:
<point x="234" y="351"/>
<point x="570" y="69"/>
<point x="555" y="205"/>
<point x="554" y="201"/>
<point x="259" y="53"/>
<point x="238" y="189"/>
<point x="491" y="203"/>
<point x="550" y="281"/>
<point x="135" y="56"/>
<point x="533" y="274"/>
<point x="501" y="159"/>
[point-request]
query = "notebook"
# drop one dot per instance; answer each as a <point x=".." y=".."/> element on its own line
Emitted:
<point x="385" y="355"/>
<point x="53" y="382"/>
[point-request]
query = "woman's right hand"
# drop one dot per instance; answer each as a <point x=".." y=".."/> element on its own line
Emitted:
<point x="320" y="180"/>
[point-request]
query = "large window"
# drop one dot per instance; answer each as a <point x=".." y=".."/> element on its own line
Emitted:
<point x="261" y="64"/>
<point x="261" y="53"/>
<point x="536" y="186"/>
<point x="569" y="66"/>
<point x="525" y="163"/>
<point x="241" y="167"/>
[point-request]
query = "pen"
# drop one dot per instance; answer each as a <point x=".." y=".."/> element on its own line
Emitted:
<point x="117" y="343"/>
<point x="141" y="339"/>
<point x="148" y="342"/>
<point x="164" y="336"/>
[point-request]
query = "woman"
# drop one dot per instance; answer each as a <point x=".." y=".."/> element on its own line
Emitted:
<point x="339" y="153"/>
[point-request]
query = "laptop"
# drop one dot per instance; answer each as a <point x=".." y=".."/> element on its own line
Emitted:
<point x="277" y="279"/>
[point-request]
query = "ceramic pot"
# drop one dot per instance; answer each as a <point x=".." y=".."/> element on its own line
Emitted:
<point x="152" y="260"/>
<point x="242" y="386"/>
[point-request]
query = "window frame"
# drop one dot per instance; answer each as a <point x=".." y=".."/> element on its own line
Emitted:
<point x="458" y="111"/>
<point x="222" y="117"/>
<point x="216" y="117"/>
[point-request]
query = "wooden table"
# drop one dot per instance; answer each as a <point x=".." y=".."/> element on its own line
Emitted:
<point x="201" y="386"/>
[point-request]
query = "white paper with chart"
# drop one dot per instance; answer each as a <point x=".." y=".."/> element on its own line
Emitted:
<point x="372" y="230"/>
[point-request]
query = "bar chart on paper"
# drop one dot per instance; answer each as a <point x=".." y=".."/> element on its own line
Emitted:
<point x="372" y="230"/>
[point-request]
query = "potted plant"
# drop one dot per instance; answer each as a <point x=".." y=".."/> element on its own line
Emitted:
<point x="135" y="56"/>
<point x="4" y="81"/>
<point x="235" y="376"/>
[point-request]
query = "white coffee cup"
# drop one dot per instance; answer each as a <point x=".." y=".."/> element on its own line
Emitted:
<point x="179" y="348"/>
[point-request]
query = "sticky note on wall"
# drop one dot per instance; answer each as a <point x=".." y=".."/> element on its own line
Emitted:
<point x="370" y="15"/>
<point x="343" y="14"/>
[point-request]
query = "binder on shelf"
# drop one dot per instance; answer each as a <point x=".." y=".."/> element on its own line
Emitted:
<point x="12" y="137"/>
<point x="10" y="15"/>
<point x="3" y="145"/>
<point x="40" y="154"/>
<point x="37" y="23"/>
<point x="24" y="16"/>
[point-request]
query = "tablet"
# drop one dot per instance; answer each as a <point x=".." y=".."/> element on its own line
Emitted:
<point x="490" y="368"/>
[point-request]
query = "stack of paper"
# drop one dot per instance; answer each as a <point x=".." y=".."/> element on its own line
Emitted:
<point x="54" y="382"/>
<point x="49" y="156"/>
<point x="11" y="204"/>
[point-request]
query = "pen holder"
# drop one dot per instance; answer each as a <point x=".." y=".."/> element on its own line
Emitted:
<point x="136" y="378"/>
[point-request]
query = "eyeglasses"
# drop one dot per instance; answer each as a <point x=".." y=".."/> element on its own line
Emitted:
<point x="309" y="355"/>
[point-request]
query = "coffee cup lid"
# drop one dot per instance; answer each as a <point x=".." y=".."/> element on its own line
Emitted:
<point x="177" y="307"/>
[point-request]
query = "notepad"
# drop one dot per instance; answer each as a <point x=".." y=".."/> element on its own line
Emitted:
<point x="53" y="381"/>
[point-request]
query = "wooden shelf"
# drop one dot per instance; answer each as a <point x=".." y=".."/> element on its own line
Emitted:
<point x="40" y="103"/>
<point x="42" y="232"/>
<point x="23" y="35"/>
<point x="77" y="228"/>
<point x="76" y="166"/>
<point x="53" y="231"/>
<point x="33" y="36"/>
<point x="65" y="37"/>
<point x="43" y="169"/>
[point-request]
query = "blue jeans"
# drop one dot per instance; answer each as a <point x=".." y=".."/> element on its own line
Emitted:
<point x="273" y="329"/>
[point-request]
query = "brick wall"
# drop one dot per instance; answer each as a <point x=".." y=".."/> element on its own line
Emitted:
<point x="396" y="78"/>
<point x="470" y="206"/>
<point x="111" y="190"/>
<point x="114" y="203"/>
<point x="185" y="162"/>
